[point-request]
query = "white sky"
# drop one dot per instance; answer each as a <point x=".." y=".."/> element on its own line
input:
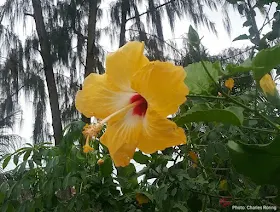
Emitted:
<point x="213" y="43"/>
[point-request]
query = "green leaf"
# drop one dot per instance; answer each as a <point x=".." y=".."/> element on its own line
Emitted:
<point x="209" y="153"/>
<point x="222" y="151"/>
<point x="127" y="171"/>
<point x="201" y="113"/>
<point x="217" y="65"/>
<point x="107" y="167"/>
<point x="265" y="61"/>
<point x="27" y="154"/>
<point x="139" y="157"/>
<point x="261" y="163"/>
<point x="247" y="23"/>
<point x="22" y="167"/>
<point x="6" y="161"/>
<point x="16" y="160"/>
<point x="193" y="36"/>
<point x="173" y="192"/>
<point x="241" y="37"/>
<point x="244" y="67"/>
<point x="2" y="197"/>
<point x="198" y="80"/>
<point x="30" y="164"/>
<point x="66" y="181"/>
<point x="4" y="187"/>
<point x="181" y="207"/>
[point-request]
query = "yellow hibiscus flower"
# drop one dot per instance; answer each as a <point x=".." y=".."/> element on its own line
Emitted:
<point x="133" y="98"/>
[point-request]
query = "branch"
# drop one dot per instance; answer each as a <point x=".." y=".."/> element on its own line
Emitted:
<point x="240" y="53"/>
<point x="206" y="97"/>
<point x="229" y="197"/>
<point x="259" y="130"/>
<point x="152" y="10"/>
<point x="163" y="41"/>
<point x="79" y="34"/>
<point x="266" y="17"/>
<point x="29" y="14"/>
<point x="9" y="116"/>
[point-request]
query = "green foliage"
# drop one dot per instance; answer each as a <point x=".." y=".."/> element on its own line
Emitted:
<point x="265" y="61"/>
<point x="203" y="113"/>
<point x="259" y="162"/>
<point x="198" y="81"/>
<point x="241" y="37"/>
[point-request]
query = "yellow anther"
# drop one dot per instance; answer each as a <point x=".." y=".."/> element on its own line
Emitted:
<point x="92" y="130"/>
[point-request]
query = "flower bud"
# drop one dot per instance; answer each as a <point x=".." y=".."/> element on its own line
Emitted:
<point x="229" y="83"/>
<point x="100" y="162"/>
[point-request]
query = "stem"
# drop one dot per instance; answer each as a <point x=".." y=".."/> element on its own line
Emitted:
<point x="206" y="97"/>
<point x="228" y="197"/>
<point x="204" y="204"/>
<point x="152" y="10"/>
<point x="258" y="129"/>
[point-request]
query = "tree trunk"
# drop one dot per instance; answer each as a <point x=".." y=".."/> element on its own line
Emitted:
<point x="91" y="49"/>
<point x="123" y="22"/>
<point x="48" y="69"/>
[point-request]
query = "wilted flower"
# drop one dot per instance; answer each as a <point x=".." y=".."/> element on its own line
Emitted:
<point x="141" y="199"/>
<point x="194" y="158"/>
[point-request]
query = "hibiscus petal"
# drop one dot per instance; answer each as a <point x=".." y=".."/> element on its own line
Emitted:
<point x="162" y="85"/>
<point x="159" y="133"/>
<point x="100" y="98"/>
<point x="126" y="61"/>
<point x="122" y="136"/>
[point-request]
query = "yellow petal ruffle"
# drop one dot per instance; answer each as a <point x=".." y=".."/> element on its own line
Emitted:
<point x="124" y="63"/>
<point x="162" y="85"/>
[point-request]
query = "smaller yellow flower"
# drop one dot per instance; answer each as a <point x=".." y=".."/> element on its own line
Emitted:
<point x="194" y="158"/>
<point x="100" y="162"/>
<point x="229" y="83"/>
<point x="87" y="148"/>
<point x="223" y="185"/>
<point x="268" y="85"/>
<point x="141" y="199"/>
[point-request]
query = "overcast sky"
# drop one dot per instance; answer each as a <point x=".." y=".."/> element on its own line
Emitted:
<point x="213" y="43"/>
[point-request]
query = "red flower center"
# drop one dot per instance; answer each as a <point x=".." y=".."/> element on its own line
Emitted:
<point x="141" y="106"/>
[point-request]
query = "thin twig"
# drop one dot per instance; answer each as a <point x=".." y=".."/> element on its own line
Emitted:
<point x="150" y="11"/>
<point x="206" y="97"/>
<point x="266" y="17"/>
<point x="163" y="41"/>
<point x="29" y="14"/>
<point x="259" y="130"/>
